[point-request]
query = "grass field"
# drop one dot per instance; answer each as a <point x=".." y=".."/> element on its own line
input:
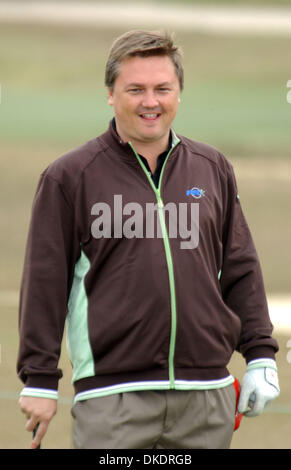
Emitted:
<point x="235" y="89"/>
<point x="53" y="98"/>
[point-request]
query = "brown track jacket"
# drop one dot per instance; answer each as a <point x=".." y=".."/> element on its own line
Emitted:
<point x="145" y="306"/>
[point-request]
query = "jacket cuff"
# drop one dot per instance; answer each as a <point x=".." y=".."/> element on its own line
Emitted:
<point x="262" y="363"/>
<point x="42" y="386"/>
<point x="260" y="352"/>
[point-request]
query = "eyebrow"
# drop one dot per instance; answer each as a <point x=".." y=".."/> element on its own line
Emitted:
<point x="140" y="85"/>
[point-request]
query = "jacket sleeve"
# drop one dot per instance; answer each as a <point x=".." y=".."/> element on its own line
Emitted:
<point x="242" y="281"/>
<point x="52" y="247"/>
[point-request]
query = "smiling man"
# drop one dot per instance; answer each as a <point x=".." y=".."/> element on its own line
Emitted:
<point x="151" y="323"/>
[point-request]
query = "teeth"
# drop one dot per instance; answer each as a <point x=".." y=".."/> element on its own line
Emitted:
<point x="149" y="116"/>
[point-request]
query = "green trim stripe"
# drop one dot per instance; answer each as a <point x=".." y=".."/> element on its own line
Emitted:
<point x="39" y="393"/>
<point x="160" y="204"/>
<point x="154" y="385"/>
<point x="262" y="363"/>
<point x="77" y="334"/>
<point x="173" y="294"/>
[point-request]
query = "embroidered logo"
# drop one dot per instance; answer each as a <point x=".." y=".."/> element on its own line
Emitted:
<point x="195" y="192"/>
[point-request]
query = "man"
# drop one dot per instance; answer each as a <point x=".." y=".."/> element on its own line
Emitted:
<point x="153" y="310"/>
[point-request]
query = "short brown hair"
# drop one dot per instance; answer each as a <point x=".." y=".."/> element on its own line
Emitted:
<point x="143" y="44"/>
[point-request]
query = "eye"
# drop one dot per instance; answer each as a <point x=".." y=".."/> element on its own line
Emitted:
<point x="134" y="91"/>
<point x="163" y="90"/>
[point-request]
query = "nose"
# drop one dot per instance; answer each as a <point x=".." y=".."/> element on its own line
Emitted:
<point x="149" y="99"/>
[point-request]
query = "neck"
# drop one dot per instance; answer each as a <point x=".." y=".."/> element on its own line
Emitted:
<point x="149" y="150"/>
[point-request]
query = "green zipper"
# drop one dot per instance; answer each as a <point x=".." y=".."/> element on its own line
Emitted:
<point x="168" y="252"/>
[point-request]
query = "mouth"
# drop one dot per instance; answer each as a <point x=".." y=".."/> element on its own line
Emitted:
<point x="150" y="117"/>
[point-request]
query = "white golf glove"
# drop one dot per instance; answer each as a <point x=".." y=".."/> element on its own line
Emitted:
<point x="260" y="386"/>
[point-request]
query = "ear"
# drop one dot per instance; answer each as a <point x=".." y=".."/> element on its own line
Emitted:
<point x="110" y="96"/>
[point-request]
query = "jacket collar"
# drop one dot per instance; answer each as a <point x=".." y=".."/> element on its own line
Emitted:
<point x="113" y="140"/>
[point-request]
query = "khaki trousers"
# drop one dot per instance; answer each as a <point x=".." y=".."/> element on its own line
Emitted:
<point x="156" y="420"/>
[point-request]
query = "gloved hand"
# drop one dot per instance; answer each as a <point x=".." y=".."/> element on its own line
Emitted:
<point x="260" y="385"/>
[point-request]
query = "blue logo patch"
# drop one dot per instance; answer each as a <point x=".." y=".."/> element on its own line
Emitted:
<point x="195" y="192"/>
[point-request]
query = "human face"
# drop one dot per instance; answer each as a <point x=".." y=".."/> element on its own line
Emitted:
<point x="145" y="98"/>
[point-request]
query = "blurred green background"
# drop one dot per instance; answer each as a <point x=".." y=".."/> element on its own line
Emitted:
<point x="53" y="98"/>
